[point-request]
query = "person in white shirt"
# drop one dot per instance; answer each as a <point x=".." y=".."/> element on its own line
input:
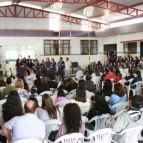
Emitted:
<point x="67" y="68"/>
<point x="25" y="126"/>
<point x="32" y="76"/>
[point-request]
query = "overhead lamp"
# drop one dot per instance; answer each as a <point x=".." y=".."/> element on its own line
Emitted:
<point x="107" y="12"/>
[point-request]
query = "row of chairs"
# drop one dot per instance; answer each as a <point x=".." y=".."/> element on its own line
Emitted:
<point x="101" y="136"/>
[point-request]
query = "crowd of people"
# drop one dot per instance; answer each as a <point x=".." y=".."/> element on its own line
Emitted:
<point x="28" y="121"/>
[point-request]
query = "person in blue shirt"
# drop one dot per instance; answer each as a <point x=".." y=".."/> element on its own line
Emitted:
<point x="119" y="95"/>
<point x="53" y="66"/>
<point x="61" y="67"/>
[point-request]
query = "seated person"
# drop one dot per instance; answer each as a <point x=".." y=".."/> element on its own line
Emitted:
<point x="119" y="95"/>
<point x="25" y="126"/>
<point x="44" y="86"/>
<point x="110" y="75"/>
<point x="107" y="88"/>
<point x="89" y="85"/>
<point x="129" y="119"/>
<point x="79" y="72"/>
<point x="136" y="79"/>
<point x="33" y="93"/>
<point x="80" y="97"/>
<point x="31" y="76"/>
<point x="71" y="84"/>
<point x="52" y="82"/>
<point x="47" y="111"/>
<point x="63" y="85"/>
<point x="9" y="87"/>
<point x="72" y="122"/>
<point x="99" y="107"/>
<point x="128" y="77"/>
<point x="118" y="78"/>
<point x="60" y="96"/>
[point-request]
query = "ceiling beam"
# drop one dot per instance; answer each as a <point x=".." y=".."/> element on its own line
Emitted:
<point x="80" y="8"/>
<point x="48" y="5"/>
<point x="119" y="8"/>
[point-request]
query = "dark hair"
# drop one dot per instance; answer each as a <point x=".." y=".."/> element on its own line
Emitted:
<point x="70" y="81"/>
<point x="138" y="73"/>
<point x="67" y="58"/>
<point x="35" y="100"/>
<point x="8" y="80"/>
<point x="47" y="104"/>
<point x="81" y="83"/>
<point x="30" y="109"/>
<point x="130" y="71"/>
<point x="111" y="69"/>
<point x="43" y="81"/>
<point x="88" y="77"/>
<point x="119" y="75"/>
<point x="51" y="76"/>
<point x="101" y="104"/>
<point x="107" y="84"/>
<point x="33" y="91"/>
<point x="12" y="107"/>
<point x="72" y="117"/>
<point x="61" y="93"/>
<point x="137" y="101"/>
<point x="80" y="94"/>
<point x="119" y="89"/>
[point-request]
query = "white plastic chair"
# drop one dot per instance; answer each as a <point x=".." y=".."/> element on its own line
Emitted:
<point x="127" y="88"/>
<point x="46" y="92"/>
<point x="62" y="103"/>
<point x="51" y="125"/>
<point x="23" y="101"/>
<point x="72" y="91"/>
<point x="70" y="96"/>
<point x="84" y="119"/>
<point x="78" y="77"/>
<point x="107" y="98"/>
<point x="96" y="81"/>
<point x="89" y="94"/>
<point x="84" y="109"/>
<point x="122" y="81"/>
<point x="52" y="90"/>
<point x="28" y="141"/>
<point x="1" y="88"/>
<point x="71" y="138"/>
<point x="39" y="99"/>
<point x="99" y="121"/>
<point x="53" y="97"/>
<point x="102" y="136"/>
<point x="137" y="89"/>
<point x="131" y="134"/>
<point x="121" y="106"/>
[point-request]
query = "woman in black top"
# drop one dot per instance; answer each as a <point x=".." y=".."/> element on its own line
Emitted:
<point x="63" y="86"/>
<point x="71" y="84"/>
<point x="100" y="107"/>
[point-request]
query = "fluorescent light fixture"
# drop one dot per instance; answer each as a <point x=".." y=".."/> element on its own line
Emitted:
<point x="127" y="22"/>
<point x="5" y="3"/>
<point x="88" y="11"/>
<point x="29" y="5"/>
<point x="55" y="11"/>
<point x="57" y="6"/>
<point x="78" y="16"/>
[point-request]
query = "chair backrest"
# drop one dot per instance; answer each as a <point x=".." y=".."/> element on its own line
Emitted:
<point x="51" y="125"/>
<point x="53" y="97"/>
<point x="132" y="134"/>
<point x="71" y="138"/>
<point x="102" y="136"/>
<point x="78" y="77"/>
<point x="39" y="99"/>
<point x="70" y="96"/>
<point x="100" y="121"/>
<point x="62" y="103"/>
<point x="23" y="101"/>
<point x="89" y="94"/>
<point x="46" y="92"/>
<point x="130" y="80"/>
<point x="96" y="79"/>
<point x="84" y="109"/>
<point x="122" y="81"/>
<point x="121" y="106"/>
<point x="138" y="85"/>
<point x="84" y="119"/>
<point x="72" y="91"/>
<point x="28" y="141"/>
<point x="52" y="90"/>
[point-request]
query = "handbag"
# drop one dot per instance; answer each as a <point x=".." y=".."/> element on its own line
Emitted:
<point x="52" y="135"/>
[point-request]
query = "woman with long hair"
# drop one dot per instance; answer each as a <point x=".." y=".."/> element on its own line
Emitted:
<point x="72" y="122"/>
<point x="48" y="110"/>
<point x="12" y="107"/>
<point x="99" y="107"/>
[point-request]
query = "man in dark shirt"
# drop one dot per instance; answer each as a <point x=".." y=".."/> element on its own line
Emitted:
<point x="52" y="82"/>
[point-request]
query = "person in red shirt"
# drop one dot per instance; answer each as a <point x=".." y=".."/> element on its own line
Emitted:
<point x="110" y="75"/>
<point x="118" y="78"/>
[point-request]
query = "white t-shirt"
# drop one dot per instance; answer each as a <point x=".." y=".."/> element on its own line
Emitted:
<point x="26" y="126"/>
<point x="43" y="114"/>
<point x="67" y="65"/>
<point x="32" y="76"/>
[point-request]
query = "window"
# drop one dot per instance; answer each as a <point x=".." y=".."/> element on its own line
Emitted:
<point x="84" y="47"/>
<point x="132" y="48"/>
<point x="51" y="47"/>
<point x="109" y="48"/>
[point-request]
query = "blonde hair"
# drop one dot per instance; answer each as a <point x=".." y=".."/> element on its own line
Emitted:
<point x="79" y="68"/>
<point x="19" y="83"/>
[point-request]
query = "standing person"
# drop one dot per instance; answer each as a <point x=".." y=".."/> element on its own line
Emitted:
<point x="61" y="66"/>
<point x="112" y="57"/>
<point x="53" y="66"/>
<point x="47" y="66"/>
<point x="29" y="58"/>
<point x="18" y="66"/>
<point x="42" y="67"/>
<point x="67" y="68"/>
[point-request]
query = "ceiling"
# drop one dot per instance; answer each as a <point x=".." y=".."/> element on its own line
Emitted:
<point x="101" y="11"/>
